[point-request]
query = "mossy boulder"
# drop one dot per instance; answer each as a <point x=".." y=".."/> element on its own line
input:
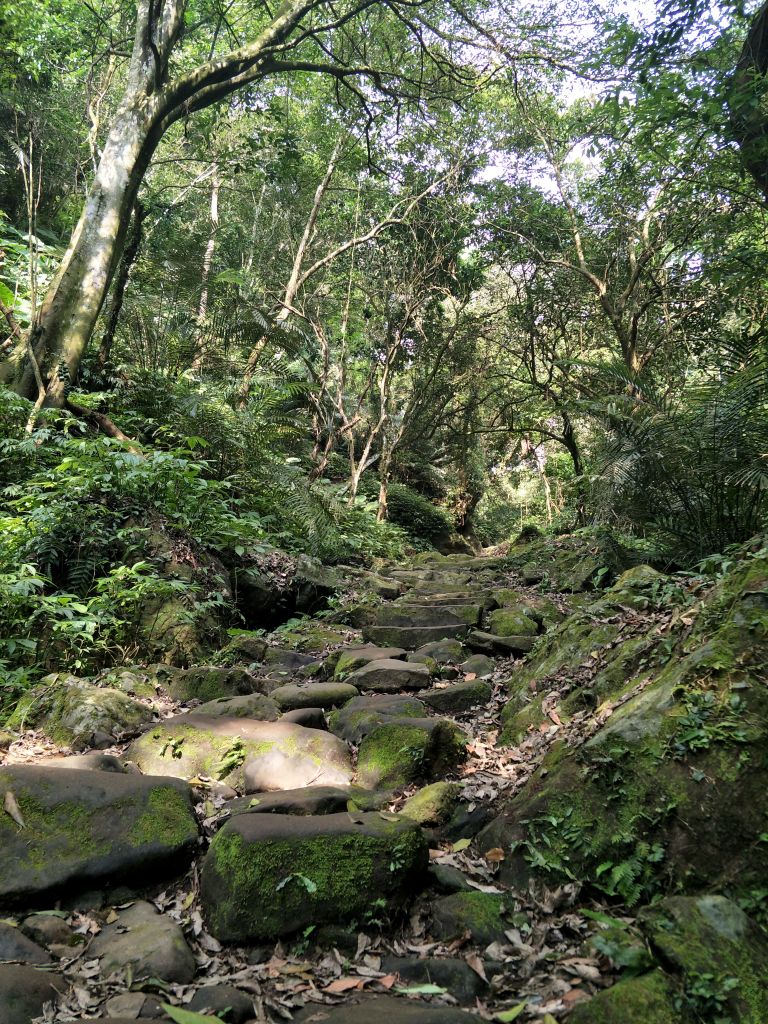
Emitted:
<point x="312" y="638"/>
<point x="649" y="999"/>
<point x="404" y="750"/>
<point x="293" y="696"/>
<point x="411" y="637"/>
<point x="458" y="697"/>
<point x="209" y="682"/>
<point x="87" y="828"/>
<point x="259" y="755"/>
<point x="244" y="648"/>
<point x="512" y="621"/>
<point x="482" y="914"/>
<point x="353" y="658"/>
<point x="545" y="610"/>
<point x="682" y="763"/>
<point x="251" y="705"/>
<point x="433" y="805"/>
<point x="362" y="714"/>
<point x="419" y="615"/>
<point x="479" y="665"/>
<point x="587" y="560"/>
<point x="440" y="652"/>
<point x="711" y="935"/>
<point x="72" y="711"/>
<point x="269" y="875"/>
<point x="390" y="676"/>
<point x="504" y="646"/>
<point x="131" y="679"/>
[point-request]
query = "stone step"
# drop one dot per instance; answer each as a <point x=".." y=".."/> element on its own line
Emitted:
<point x="411" y="637"/>
<point x="403" y="614"/>
<point x="483" y="598"/>
<point x="488" y="643"/>
<point x="389" y="676"/>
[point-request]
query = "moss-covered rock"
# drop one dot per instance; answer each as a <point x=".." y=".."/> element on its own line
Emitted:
<point x="681" y="764"/>
<point x="131" y="679"/>
<point x="649" y="999"/>
<point x="244" y="648"/>
<point x="513" y="620"/>
<point x="433" y="805"/>
<point x="87" y="828"/>
<point x="259" y="755"/>
<point x="268" y="875"/>
<point x="147" y="943"/>
<point x="388" y="675"/>
<point x="362" y="714"/>
<point x="479" y="665"/>
<point x="479" y="913"/>
<point x="210" y="682"/>
<point x="313" y="695"/>
<point x="711" y="935"/>
<point x="586" y="560"/>
<point x="251" y="705"/>
<point x="458" y="697"/>
<point x="353" y="658"/>
<point x="404" y="750"/>
<point x="441" y="652"/>
<point x="72" y="711"/>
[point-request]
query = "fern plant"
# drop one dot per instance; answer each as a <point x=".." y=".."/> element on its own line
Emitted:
<point x="690" y="471"/>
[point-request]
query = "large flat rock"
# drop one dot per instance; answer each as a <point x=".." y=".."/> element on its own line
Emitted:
<point x="24" y="991"/>
<point x="268" y="875"/>
<point x="403" y="614"/>
<point x="386" y="1010"/>
<point x="85" y="828"/>
<point x="255" y="755"/>
<point x="411" y="637"/>
<point x="390" y="676"/>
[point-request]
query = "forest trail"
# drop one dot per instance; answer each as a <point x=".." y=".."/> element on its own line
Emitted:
<point x="323" y="830"/>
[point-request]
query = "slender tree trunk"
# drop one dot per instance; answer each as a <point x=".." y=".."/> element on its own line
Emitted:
<point x="205" y="272"/>
<point x="384" y="468"/>
<point x="118" y="292"/>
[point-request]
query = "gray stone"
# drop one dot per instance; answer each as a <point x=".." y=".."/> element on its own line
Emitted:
<point x="153" y="946"/>
<point x="479" y="913"/>
<point x="440" y="651"/>
<point x="243" y="753"/>
<point x="82" y="828"/>
<point x="211" y="682"/>
<point x="411" y="637"/>
<point x="458" y="697"/>
<point x="448" y="879"/>
<point x="310" y="718"/>
<point x="390" y="676"/>
<point x="24" y="991"/>
<point x="218" y="998"/>
<point x="386" y="1010"/>
<point x="14" y="945"/>
<point x="489" y="643"/>
<point x="94" y="761"/>
<point x="356" y="719"/>
<point x="403" y="614"/>
<point x="49" y="929"/>
<point x="253" y="705"/>
<point x="294" y="696"/>
<point x="455" y="976"/>
<point x="480" y="665"/>
<point x="352" y="658"/>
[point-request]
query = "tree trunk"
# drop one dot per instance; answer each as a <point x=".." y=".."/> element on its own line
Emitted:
<point x="74" y="300"/>
<point x="118" y="292"/>
<point x="205" y="273"/>
<point x="747" y="111"/>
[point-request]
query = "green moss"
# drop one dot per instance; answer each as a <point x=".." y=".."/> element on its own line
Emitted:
<point x="166" y="821"/>
<point x="392" y="755"/>
<point x="480" y="913"/>
<point x="76" y="828"/>
<point x="337" y="877"/>
<point x="432" y="805"/>
<point x="649" y="999"/>
<point x="512" y="622"/>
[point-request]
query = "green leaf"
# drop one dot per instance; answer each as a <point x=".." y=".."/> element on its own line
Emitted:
<point x="507" y="1015"/>
<point x="461" y="844"/>
<point x="185" y="1016"/>
<point x="6" y="296"/>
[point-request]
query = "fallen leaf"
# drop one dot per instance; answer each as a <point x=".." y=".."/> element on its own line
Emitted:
<point x="12" y="808"/>
<point x="461" y="844"/>
<point x="422" y="990"/>
<point x="476" y="964"/>
<point x="470" y="677"/>
<point x="387" y="981"/>
<point x="555" y="717"/>
<point x="495" y="856"/>
<point x="345" y="985"/>
<point x="509" y="1015"/>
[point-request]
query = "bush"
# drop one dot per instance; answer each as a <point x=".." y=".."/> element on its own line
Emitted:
<point x="415" y="514"/>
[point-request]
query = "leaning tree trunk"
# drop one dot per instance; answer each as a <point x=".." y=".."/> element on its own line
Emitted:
<point x="747" y="100"/>
<point x="121" y="282"/>
<point x="68" y="315"/>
